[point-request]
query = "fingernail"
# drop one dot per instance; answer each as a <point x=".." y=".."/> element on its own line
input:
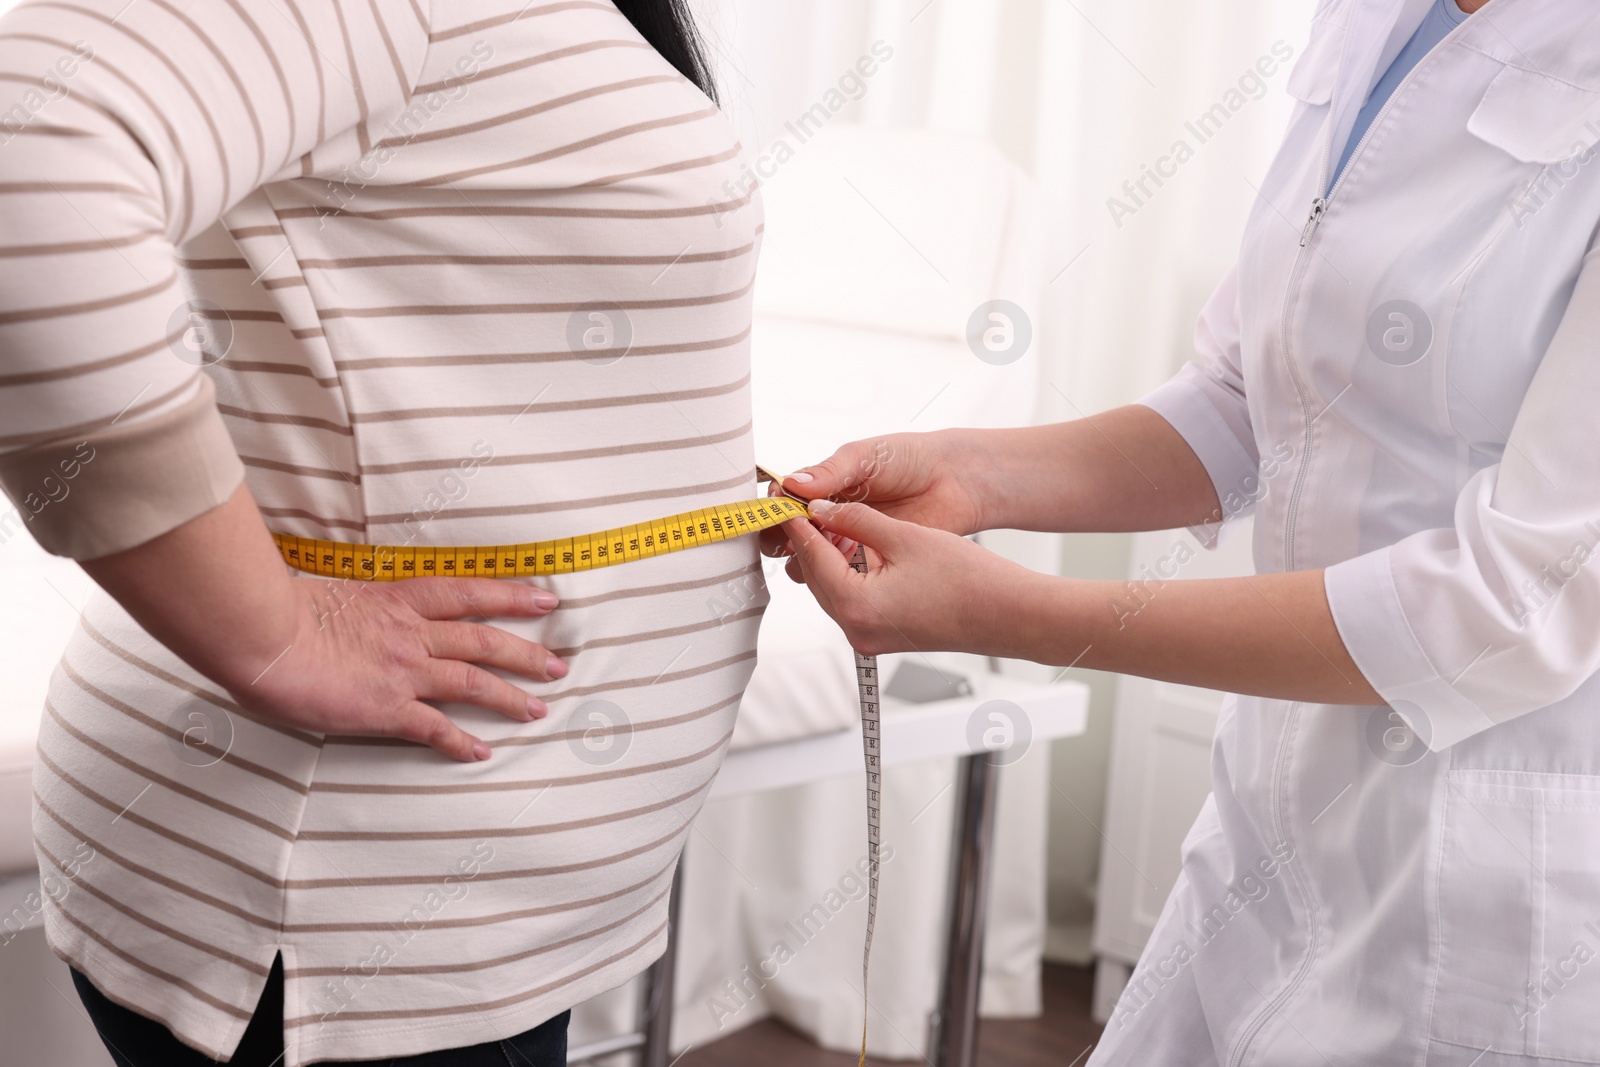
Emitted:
<point x="555" y="668"/>
<point x="821" y="506"/>
<point x="800" y="476"/>
<point x="545" y="599"/>
<point x="847" y="546"/>
<point x="537" y="708"/>
<point x="480" y="751"/>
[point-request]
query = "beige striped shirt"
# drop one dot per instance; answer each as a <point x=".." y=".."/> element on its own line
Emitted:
<point x="407" y="241"/>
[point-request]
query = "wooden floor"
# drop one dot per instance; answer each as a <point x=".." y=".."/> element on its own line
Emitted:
<point x="1061" y="1038"/>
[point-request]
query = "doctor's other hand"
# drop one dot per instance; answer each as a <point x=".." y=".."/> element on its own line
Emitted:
<point x="924" y="590"/>
<point x="916" y="477"/>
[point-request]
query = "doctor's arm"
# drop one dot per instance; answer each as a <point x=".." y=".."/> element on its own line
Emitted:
<point x="925" y="590"/>
<point x="1184" y="455"/>
<point x="1123" y="469"/>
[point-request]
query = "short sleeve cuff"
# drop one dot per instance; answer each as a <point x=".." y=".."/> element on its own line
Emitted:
<point x="1232" y="467"/>
<point x="1369" y="617"/>
<point x="109" y="490"/>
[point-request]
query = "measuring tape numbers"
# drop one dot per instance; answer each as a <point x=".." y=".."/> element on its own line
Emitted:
<point x="674" y="533"/>
<point x="387" y="563"/>
<point x="867" y="694"/>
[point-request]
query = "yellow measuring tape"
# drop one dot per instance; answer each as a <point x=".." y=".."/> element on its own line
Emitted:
<point x="388" y="563"/>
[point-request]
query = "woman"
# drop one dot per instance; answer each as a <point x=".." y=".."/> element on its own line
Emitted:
<point x="456" y="274"/>
<point x="1398" y="863"/>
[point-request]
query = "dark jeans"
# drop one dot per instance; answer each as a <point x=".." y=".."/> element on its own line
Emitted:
<point x="135" y="1041"/>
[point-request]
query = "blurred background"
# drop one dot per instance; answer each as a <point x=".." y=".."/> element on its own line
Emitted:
<point x="1089" y="163"/>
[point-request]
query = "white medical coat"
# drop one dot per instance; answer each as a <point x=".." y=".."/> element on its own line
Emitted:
<point x="1406" y="391"/>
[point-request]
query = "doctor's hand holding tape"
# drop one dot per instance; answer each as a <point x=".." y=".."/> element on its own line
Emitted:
<point x="1399" y="862"/>
<point x="929" y="587"/>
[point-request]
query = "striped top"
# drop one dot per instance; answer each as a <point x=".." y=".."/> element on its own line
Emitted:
<point x="475" y="273"/>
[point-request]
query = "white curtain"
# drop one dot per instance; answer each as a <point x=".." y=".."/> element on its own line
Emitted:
<point x="1085" y="95"/>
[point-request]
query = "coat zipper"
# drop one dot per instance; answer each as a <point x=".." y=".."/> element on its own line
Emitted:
<point x="1319" y="207"/>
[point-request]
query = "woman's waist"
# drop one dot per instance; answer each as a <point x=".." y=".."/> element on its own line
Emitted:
<point x="605" y="782"/>
<point x="630" y="627"/>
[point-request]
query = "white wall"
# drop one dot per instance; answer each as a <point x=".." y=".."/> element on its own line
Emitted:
<point x="42" y="1021"/>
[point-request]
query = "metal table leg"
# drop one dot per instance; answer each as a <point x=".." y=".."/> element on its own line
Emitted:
<point x="653" y="1039"/>
<point x="955" y="1022"/>
<point x="659" y="987"/>
<point x="954" y="1025"/>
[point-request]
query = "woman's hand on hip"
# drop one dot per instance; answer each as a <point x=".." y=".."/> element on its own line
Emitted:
<point x="367" y="655"/>
<point x="924" y="590"/>
<point x="915" y="477"/>
<point x="336" y="657"/>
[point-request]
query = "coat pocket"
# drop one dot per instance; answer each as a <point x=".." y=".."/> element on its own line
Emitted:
<point x="1537" y="118"/>
<point x="1516" y="913"/>
<point x="1314" y="74"/>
